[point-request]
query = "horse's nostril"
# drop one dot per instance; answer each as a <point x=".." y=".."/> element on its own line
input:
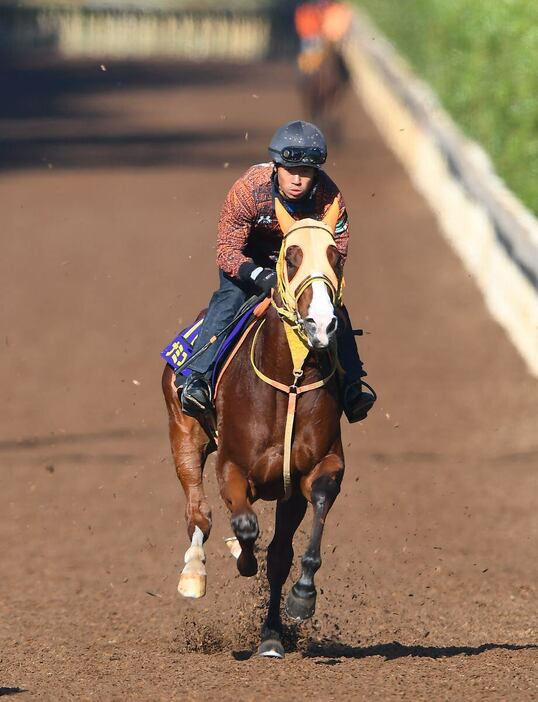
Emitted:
<point x="309" y="322"/>
<point x="331" y="327"/>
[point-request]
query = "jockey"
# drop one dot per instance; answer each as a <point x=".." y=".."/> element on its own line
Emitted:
<point x="321" y="21"/>
<point x="248" y="243"/>
<point x="309" y="24"/>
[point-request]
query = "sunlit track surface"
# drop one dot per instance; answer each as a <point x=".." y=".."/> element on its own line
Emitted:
<point x="110" y="187"/>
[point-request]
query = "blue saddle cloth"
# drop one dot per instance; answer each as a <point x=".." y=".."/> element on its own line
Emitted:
<point x="178" y="352"/>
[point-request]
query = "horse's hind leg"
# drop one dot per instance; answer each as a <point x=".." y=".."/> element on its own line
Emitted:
<point x="289" y="515"/>
<point x="190" y="446"/>
<point x="324" y="487"/>
<point x="234" y="490"/>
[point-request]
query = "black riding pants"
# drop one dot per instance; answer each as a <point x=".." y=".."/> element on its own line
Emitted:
<point x="223" y="307"/>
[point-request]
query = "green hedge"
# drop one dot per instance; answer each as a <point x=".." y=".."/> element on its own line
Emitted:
<point x="481" y="58"/>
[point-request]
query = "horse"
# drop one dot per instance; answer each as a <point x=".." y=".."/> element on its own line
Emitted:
<point x="323" y="80"/>
<point x="278" y="437"/>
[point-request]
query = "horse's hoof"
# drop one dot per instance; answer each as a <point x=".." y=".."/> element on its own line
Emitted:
<point x="247" y="565"/>
<point x="271" y="648"/>
<point x="300" y="608"/>
<point x="192" y="585"/>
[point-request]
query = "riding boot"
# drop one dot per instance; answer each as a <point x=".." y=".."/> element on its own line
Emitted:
<point x="196" y="394"/>
<point x="356" y="401"/>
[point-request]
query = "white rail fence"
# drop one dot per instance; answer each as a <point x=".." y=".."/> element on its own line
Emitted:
<point x="135" y="33"/>
<point x="494" y="234"/>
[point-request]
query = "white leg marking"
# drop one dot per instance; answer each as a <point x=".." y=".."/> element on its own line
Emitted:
<point x="192" y="581"/>
<point x="233" y="545"/>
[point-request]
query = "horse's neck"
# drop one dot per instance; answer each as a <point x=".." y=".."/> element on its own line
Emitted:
<point x="272" y="352"/>
<point x="273" y="355"/>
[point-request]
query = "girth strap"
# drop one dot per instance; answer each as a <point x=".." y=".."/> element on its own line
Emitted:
<point x="292" y="391"/>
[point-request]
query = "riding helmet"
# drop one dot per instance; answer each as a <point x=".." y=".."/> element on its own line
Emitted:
<point x="298" y="143"/>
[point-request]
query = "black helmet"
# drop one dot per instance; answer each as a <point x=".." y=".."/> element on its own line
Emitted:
<point x="298" y="143"/>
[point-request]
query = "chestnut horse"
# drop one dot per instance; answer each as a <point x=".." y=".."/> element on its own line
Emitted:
<point x="253" y="415"/>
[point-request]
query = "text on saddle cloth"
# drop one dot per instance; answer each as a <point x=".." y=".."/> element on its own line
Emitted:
<point x="181" y="348"/>
<point x="179" y="351"/>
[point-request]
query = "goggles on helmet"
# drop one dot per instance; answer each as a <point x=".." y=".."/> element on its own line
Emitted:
<point x="305" y="155"/>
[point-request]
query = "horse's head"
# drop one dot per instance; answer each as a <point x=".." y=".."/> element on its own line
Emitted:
<point x="310" y="274"/>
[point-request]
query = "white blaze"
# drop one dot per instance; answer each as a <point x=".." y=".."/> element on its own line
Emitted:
<point x="321" y="310"/>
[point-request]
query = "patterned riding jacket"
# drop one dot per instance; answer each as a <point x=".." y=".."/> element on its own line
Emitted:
<point x="248" y="229"/>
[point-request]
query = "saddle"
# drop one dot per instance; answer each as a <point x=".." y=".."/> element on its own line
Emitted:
<point x="178" y="352"/>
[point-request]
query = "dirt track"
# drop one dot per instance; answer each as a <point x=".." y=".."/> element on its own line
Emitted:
<point x="110" y="185"/>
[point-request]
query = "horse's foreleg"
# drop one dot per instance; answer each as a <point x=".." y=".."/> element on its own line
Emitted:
<point x="192" y="581"/>
<point x="234" y="491"/>
<point x="289" y="515"/>
<point x="323" y="489"/>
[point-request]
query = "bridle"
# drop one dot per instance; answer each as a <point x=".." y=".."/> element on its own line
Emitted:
<point x="313" y="238"/>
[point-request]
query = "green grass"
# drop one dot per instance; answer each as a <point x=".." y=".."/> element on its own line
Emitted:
<point x="481" y="58"/>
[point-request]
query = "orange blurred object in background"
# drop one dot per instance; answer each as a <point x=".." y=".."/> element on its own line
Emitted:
<point x="309" y="20"/>
<point x="336" y="20"/>
<point x="327" y="20"/>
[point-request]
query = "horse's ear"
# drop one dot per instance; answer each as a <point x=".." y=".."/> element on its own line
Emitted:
<point x="331" y="217"/>
<point x="284" y="218"/>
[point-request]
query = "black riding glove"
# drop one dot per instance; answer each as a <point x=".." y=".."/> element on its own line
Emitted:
<point x="264" y="278"/>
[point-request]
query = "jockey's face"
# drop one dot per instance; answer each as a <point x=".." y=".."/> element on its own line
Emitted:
<point x="296" y="181"/>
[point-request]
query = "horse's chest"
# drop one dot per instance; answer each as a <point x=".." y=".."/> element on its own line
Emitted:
<point x="306" y="453"/>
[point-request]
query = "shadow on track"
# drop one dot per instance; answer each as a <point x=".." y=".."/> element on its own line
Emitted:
<point x="71" y="125"/>
<point x="41" y="87"/>
<point x="132" y="150"/>
<point x="5" y="691"/>
<point x="334" y="650"/>
<point x="391" y="651"/>
<point x="29" y="442"/>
